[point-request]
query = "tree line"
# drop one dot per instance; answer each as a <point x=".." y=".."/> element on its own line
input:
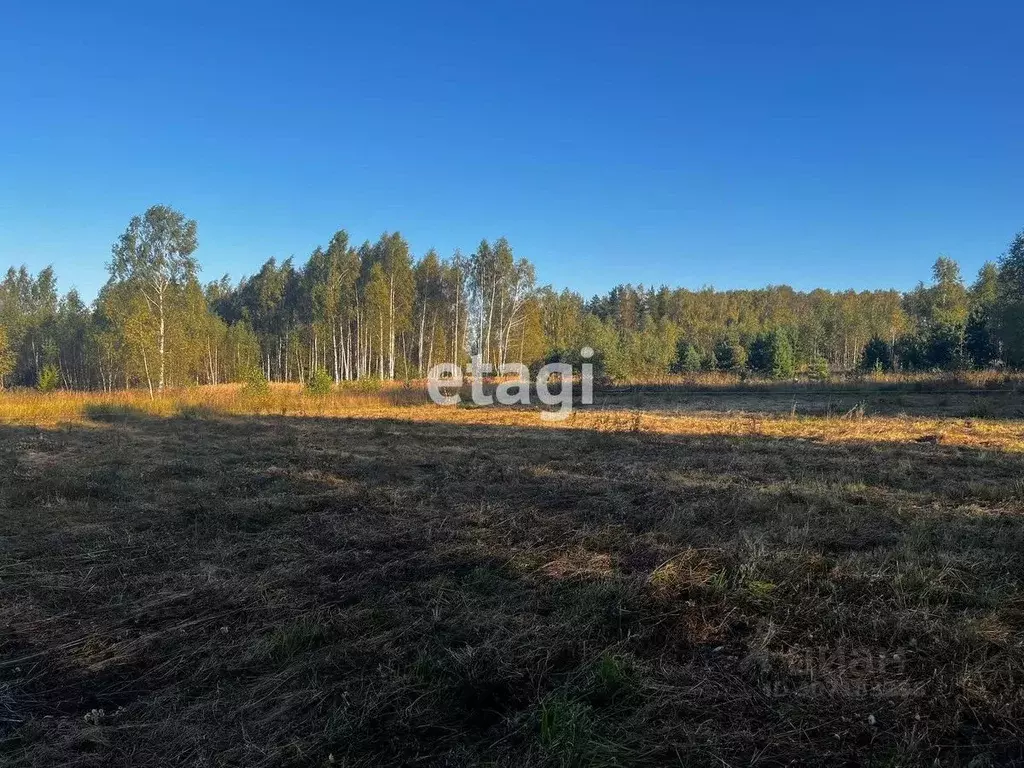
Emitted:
<point x="374" y="311"/>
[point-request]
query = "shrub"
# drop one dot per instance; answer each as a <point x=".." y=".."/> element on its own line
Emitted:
<point x="49" y="379"/>
<point x="709" y="362"/>
<point x="369" y="384"/>
<point x="255" y="381"/>
<point x="320" y="383"/>
<point x="575" y="359"/>
<point x="818" y="368"/>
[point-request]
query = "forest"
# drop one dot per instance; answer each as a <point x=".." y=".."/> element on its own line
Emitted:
<point x="377" y="311"/>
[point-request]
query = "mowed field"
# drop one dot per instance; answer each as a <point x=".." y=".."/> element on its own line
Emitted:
<point x="757" y="577"/>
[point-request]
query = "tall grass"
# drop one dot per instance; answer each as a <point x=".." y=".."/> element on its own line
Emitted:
<point x="410" y="402"/>
<point x="32" y="407"/>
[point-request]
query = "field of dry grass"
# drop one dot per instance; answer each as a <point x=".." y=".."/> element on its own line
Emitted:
<point x="768" y="577"/>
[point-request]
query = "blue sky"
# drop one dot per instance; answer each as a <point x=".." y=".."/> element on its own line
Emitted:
<point x="734" y="144"/>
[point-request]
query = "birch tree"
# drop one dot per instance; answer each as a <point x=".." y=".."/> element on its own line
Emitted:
<point x="152" y="257"/>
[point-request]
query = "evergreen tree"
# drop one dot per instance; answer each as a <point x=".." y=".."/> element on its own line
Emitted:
<point x="909" y="353"/>
<point x="759" y="354"/>
<point x="981" y="343"/>
<point x="771" y="354"/>
<point x="1009" y="307"/>
<point x="730" y="354"/>
<point x="945" y="348"/>
<point x="877" y="355"/>
<point x="688" y="358"/>
<point x="783" y="362"/>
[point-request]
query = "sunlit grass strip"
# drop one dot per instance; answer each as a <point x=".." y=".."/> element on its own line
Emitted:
<point x="410" y="403"/>
<point x="30" y="407"/>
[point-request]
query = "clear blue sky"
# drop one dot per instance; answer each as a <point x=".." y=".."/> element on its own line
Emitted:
<point x="734" y="144"/>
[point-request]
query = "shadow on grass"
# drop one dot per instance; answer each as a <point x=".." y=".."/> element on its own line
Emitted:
<point x="271" y="590"/>
<point x="820" y="400"/>
<point x="115" y="412"/>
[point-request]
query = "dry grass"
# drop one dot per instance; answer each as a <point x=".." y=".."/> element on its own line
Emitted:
<point x="905" y="382"/>
<point x="977" y="420"/>
<point x="209" y="578"/>
<point x="26" y="406"/>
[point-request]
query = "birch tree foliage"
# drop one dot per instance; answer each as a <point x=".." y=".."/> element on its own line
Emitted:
<point x="391" y="253"/>
<point x="128" y="335"/>
<point x="330" y="280"/>
<point x="152" y="257"/>
<point x="499" y="289"/>
<point x="377" y="310"/>
<point x="429" y="309"/>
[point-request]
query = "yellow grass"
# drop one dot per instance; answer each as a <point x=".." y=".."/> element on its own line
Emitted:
<point x="410" y="403"/>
